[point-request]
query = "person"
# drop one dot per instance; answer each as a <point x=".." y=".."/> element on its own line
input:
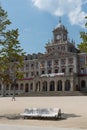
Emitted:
<point x="13" y="97"/>
<point x="59" y="114"/>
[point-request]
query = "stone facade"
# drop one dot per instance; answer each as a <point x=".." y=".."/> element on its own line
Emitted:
<point x="61" y="68"/>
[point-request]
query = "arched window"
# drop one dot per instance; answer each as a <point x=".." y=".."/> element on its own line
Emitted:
<point x="45" y="86"/>
<point x="59" y="85"/>
<point x="52" y="86"/>
<point x="16" y="87"/>
<point x="49" y="71"/>
<point x="26" y="87"/>
<point x="56" y="71"/>
<point x="21" y="86"/>
<point x="67" y="85"/>
<point x="83" y="84"/>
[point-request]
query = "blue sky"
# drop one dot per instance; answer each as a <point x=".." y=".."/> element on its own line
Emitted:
<point x="36" y="20"/>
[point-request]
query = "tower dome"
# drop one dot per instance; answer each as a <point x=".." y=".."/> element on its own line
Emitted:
<point x="60" y="25"/>
<point x="60" y="32"/>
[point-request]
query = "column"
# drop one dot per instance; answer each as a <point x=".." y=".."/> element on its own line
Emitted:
<point x="34" y="86"/>
<point x="67" y="68"/>
<point x="55" y="85"/>
<point x="63" y="85"/>
<point x="41" y="85"/>
<point x="71" y="85"/>
<point x="59" y="65"/>
<point x="39" y="68"/>
<point x="46" y="67"/>
<point x="48" y="86"/>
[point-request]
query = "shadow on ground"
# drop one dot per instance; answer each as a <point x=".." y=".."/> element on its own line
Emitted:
<point x="64" y="116"/>
<point x="69" y="115"/>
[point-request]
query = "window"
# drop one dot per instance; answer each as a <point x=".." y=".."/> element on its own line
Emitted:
<point x="70" y="70"/>
<point x="26" y="58"/>
<point x="82" y="60"/>
<point x="49" y="71"/>
<point x="83" y="84"/>
<point x="56" y="70"/>
<point x="37" y="73"/>
<point x="32" y="65"/>
<point x="27" y="66"/>
<point x="32" y="73"/>
<point x="16" y="87"/>
<point x="82" y="70"/>
<point x="43" y="72"/>
<point x="49" y="63"/>
<point x="27" y="75"/>
<point x="42" y="64"/>
<point x="63" y="61"/>
<point x="56" y="62"/>
<point x="70" y="61"/>
<point x="21" y="87"/>
<point x="62" y="47"/>
<point x="63" y="70"/>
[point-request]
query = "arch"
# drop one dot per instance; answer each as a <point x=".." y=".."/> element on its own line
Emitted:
<point x="67" y="85"/>
<point x="56" y="71"/>
<point x="44" y="87"/>
<point x="21" y="86"/>
<point x="59" y="85"/>
<point x="52" y="86"/>
<point x="16" y="87"/>
<point x="26" y="87"/>
<point x="83" y="84"/>
<point x="7" y="87"/>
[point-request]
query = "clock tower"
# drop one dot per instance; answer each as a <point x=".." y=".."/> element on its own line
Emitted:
<point x="60" y="33"/>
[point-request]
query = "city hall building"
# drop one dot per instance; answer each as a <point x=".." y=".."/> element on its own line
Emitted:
<point x="61" y="68"/>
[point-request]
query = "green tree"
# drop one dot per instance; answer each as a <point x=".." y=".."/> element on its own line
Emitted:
<point x="83" y="45"/>
<point x="11" y="54"/>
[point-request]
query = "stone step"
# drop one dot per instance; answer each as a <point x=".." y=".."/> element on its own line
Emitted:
<point x="53" y="93"/>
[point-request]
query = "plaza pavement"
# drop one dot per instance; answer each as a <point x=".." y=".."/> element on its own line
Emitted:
<point x="18" y="127"/>
<point x="74" y="109"/>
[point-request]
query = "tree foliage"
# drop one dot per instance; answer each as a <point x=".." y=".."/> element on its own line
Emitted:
<point x="11" y="54"/>
<point x="83" y="45"/>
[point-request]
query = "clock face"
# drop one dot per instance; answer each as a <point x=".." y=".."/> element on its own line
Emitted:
<point x="58" y="37"/>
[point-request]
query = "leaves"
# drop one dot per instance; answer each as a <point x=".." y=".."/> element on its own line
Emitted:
<point x="83" y="45"/>
<point x="11" y="54"/>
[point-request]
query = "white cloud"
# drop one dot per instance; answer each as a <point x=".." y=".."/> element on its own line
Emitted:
<point x="72" y="8"/>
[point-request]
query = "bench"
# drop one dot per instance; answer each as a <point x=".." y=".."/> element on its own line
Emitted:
<point x="42" y="113"/>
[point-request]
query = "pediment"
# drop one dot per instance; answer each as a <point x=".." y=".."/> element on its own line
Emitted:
<point x="56" y="54"/>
